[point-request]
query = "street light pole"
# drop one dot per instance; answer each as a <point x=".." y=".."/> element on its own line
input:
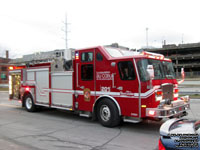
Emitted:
<point x="147" y="37"/>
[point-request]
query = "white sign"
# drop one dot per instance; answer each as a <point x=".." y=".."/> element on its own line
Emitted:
<point x="104" y="75"/>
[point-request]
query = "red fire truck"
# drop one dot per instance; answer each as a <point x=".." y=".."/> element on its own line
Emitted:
<point x="105" y="83"/>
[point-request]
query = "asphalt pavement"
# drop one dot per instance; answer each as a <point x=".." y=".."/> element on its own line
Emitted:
<point x="51" y="129"/>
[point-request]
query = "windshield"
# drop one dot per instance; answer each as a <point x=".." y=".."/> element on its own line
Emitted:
<point x="169" y="70"/>
<point x="162" y="69"/>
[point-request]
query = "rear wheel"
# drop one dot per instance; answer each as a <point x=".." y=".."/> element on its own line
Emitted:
<point x="29" y="104"/>
<point x="108" y="113"/>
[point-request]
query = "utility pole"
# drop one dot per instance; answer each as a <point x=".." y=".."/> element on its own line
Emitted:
<point x="66" y="32"/>
<point x="67" y="51"/>
<point x="147" y="37"/>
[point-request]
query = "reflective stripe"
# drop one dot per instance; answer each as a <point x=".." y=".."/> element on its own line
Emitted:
<point x="99" y="93"/>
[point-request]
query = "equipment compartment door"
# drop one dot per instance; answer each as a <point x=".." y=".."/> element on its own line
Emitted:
<point x="61" y="91"/>
<point x="42" y="82"/>
<point x="85" y="77"/>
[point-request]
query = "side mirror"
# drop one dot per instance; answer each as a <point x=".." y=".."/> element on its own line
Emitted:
<point x="150" y="71"/>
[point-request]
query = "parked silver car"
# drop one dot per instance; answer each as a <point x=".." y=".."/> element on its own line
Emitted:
<point x="180" y="134"/>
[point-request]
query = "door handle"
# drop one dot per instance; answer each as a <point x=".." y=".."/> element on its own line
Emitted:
<point x="82" y="87"/>
<point x="120" y="88"/>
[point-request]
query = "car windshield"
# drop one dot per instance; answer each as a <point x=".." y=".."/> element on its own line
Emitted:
<point x="162" y="69"/>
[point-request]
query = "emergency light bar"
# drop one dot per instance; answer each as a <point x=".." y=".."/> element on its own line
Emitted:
<point x="153" y="55"/>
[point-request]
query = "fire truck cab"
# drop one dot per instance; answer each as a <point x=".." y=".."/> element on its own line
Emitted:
<point x="105" y="83"/>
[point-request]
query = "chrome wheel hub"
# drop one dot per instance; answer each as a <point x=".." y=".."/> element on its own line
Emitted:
<point x="105" y="113"/>
<point x="29" y="103"/>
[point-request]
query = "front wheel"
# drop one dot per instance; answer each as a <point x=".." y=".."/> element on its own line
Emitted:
<point x="29" y="104"/>
<point x="108" y="113"/>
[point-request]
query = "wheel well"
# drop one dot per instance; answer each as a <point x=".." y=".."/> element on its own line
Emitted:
<point x="23" y="98"/>
<point x="108" y="98"/>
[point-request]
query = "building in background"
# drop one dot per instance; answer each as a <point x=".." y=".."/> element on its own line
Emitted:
<point x="4" y="70"/>
<point x="185" y="56"/>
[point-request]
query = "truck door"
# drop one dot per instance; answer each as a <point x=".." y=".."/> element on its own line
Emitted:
<point x="85" y="79"/>
<point x="127" y="84"/>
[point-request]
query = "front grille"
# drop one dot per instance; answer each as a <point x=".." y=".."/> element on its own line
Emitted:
<point x="167" y="91"/>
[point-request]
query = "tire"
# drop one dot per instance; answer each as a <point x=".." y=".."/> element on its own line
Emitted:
<point x="108" y="113"/>
<point x="29" y="104"/>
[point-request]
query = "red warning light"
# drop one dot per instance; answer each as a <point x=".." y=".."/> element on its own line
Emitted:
<point x="77" y="55"/>
<point x="27" y="89"/>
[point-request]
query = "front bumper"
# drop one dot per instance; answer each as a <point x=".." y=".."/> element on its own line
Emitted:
<point x="169" y="111"/>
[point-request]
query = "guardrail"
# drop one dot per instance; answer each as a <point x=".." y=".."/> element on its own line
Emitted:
<point x="194" y="74"/>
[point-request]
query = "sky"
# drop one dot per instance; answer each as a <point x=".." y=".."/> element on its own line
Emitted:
<point x="29" y="26"/>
